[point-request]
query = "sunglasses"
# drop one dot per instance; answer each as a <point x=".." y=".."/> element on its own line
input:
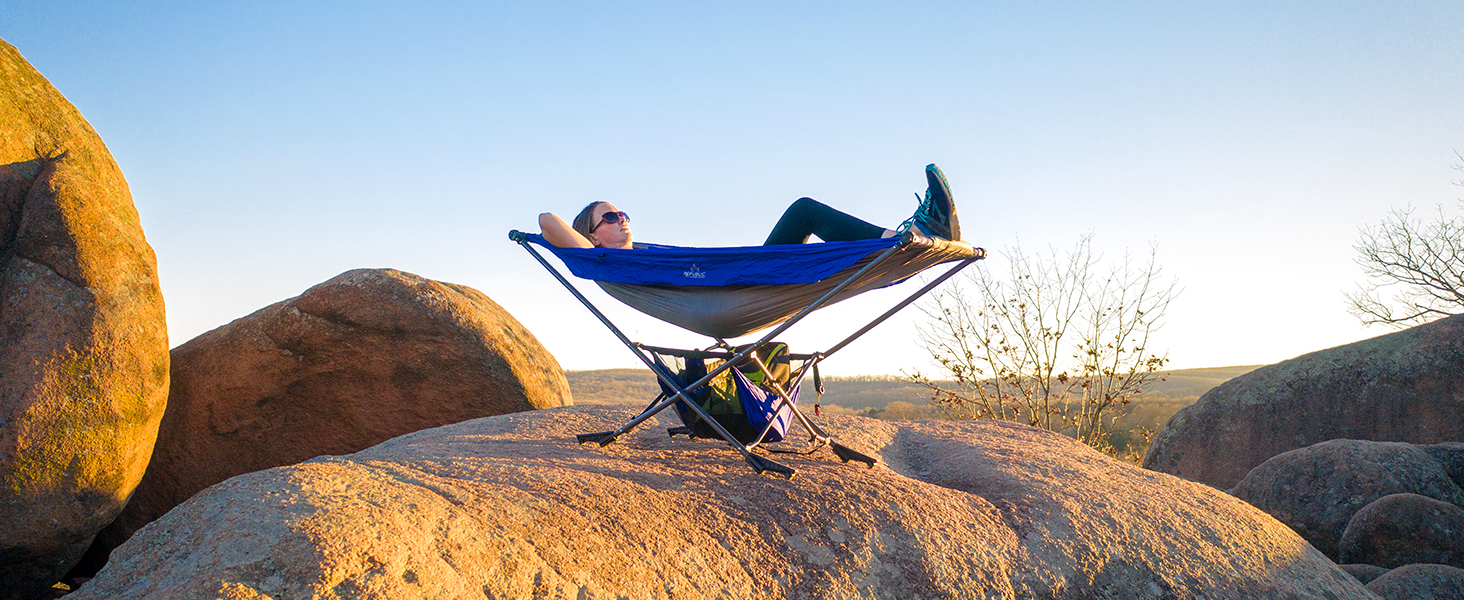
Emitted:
<point x="611" y="218"/>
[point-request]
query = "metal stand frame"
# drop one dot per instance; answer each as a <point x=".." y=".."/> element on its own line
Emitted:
<point x="647" y="354"/>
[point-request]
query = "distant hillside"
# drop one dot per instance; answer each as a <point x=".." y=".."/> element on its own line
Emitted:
<point x="612" y="386"/>
<point x="638" y="386"/>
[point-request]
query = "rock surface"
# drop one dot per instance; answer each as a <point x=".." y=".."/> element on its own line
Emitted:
<point x="1451" y="457"/>
<point x="1401" y="529"/>
<point x="511" y="507"/>
<point x="1406" y="386"/>
<point x="1363" y="573"/>
<point x="1420" y="582"/>
<point x="83" y="342"/>
<point x="1317" y="489"/>
<point x="364" y="357"/>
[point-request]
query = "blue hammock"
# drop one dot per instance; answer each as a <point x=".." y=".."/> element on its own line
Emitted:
<point x="731" y="292"/>
<point x="656" y="264"/>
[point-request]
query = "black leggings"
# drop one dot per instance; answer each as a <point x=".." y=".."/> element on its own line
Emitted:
<point x="810" y="217"/>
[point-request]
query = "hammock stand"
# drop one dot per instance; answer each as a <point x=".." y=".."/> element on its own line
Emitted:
<point x="730" y="292"/>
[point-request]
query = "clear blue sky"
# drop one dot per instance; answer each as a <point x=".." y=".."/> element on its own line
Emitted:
<point x="271" y="146"/>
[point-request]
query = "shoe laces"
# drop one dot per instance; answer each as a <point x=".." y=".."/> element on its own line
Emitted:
<point x="925" y="211"/>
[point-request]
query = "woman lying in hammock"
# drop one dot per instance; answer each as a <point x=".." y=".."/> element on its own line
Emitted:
<point x="601" y="225"/>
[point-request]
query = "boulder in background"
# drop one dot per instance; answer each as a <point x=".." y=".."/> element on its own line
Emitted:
<point x="1401" y="529"/>
<point x="1420" y="582"/>
<point x="1316" y="490"/>
<point x="1406" y="386"/>
<point x="83" y="341"/>
<point x="1364" y="573"/>
<point x="1450" y="456"/>
<point x="364" y="357"/>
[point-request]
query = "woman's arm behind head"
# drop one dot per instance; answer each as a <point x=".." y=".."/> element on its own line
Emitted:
<point x="559" y="233"/>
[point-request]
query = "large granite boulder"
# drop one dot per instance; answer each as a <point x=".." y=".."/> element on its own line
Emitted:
<point x="1451" y="457"/>
<point x="364" y="357"/>
<point x="1363" y="572"/>
<point x="1420" y="582"/>
<point x="511" y="507"/>
<point x="1406" y="386"/>
<point x="1317" y="490"/>
<point x="1401" y="529"/>
<point x="83" y="343"/>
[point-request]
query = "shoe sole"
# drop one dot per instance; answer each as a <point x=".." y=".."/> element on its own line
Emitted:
<point x="950" y="202"/>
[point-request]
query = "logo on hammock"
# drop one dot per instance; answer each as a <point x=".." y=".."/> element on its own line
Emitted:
<point x="694" y="273"/>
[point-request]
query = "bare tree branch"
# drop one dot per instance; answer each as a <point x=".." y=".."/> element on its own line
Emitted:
<point x="1414" y="269"/>
<point x="1057" y="342"/>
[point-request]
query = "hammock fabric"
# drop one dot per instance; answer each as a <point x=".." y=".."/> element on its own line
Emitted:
<point x="731" y="292"/>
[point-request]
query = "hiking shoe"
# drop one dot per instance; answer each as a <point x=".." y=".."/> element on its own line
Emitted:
<point x="936" y="216"/>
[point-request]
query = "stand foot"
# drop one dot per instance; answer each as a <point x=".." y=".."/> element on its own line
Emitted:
<point x="762" y="465"/>
<point x="603" y="438"/>
<point x="675" y="431"/>
<point x="847" y="454"/>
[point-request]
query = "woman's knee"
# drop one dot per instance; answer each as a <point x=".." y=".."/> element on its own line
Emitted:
<point x="805" y="203"/>
<point x="806" y="207"/>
